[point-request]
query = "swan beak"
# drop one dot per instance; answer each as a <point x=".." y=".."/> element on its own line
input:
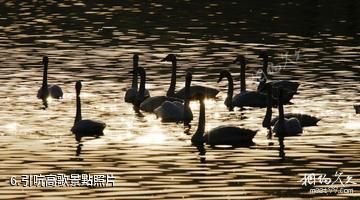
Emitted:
<point x="219" y="80"/>
<point x="163" y="60"/>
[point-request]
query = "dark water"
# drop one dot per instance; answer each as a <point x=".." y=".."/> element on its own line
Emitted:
<point x="94" y="42"/>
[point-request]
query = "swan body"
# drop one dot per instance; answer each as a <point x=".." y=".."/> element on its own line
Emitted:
<point x="304" y="119"/>
<point x="172" y="112"/>
<point x="222" y="135"/>
<point x="229" y="135"/>
<point x="45" y="90"/>
<point x="176" y="111"/>
<point x="208" y="92"/>
<point x="85" y="127"/>
<point x="292" y="127"/>
<point x="88" y="128"/>
<point x="249" y="98"/>
<point x="131" y="93"/>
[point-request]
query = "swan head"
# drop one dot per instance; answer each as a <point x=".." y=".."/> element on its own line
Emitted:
<point x="45" y="60"/>
<point x="169" y="58"/>
<point x="223" y="74"/>
<point x="135" y="58"/>
<point x="78" y="86"/>
<point x="263" y="55"/>
<point x="239" y="59"/>
<point x="188" y="76"/>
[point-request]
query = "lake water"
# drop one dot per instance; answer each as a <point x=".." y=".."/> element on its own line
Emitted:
<point x="313" y="42"/>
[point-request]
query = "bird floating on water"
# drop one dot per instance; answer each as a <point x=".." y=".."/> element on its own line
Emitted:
<point x="85" y="127"/>
<point x="131" y="93"/>
<point x="222" y="135"/>
<point x="47" y="90"/>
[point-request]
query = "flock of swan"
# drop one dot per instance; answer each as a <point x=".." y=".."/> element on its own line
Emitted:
<point x="174" y="106"/>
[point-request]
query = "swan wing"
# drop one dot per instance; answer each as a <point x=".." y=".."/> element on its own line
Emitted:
<point x="292" y="127"/>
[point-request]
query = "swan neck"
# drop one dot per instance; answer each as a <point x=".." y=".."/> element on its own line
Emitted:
<point x="230" y="91"/>
<point x="135" y="74"/>
<point x="281" y="107"/>
<point x="242" y="77"/>
<point x="142" y="85"/>
<point x="187" y="100"/>
<point x="201" y="125"/>
<point x="267" y="118"/>
<point x="171" y="90"/>
<point x="44" y="83"/>
<point x="265" y="67"/>
<point x="78" y="109"/>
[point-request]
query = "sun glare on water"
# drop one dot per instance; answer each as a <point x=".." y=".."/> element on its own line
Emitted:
<point x="153" y="136"/>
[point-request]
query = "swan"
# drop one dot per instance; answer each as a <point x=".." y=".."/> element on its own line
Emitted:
<point x="230" y="91"/>
<point x="85" y="127"/>
<point x="53" y="90"/>
<point x="151" y="103"/>
<point x="284" y="126"/>
<point x="288" y="85"/>
<point x="247" y="98"/>
<point x="176" y="111"/>
<point x="130" y="94"/>
<point x="222" y="135"/>
<point x="357" y="109"/>
<point x="140" y="95"/>
<point x="209" y="92"/>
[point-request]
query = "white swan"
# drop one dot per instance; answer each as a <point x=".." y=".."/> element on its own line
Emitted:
<point x="85" y="127"/>
<point x="53" y="90"/>
<point x="176" y="111"/>
<point x="222" y="135"/>
<point x="290" y="87"/>
<point x="131" y="93"/>
<point x="247" y="98"/>
<point x="209" y="92"/>
<point x="286" y="127"/>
